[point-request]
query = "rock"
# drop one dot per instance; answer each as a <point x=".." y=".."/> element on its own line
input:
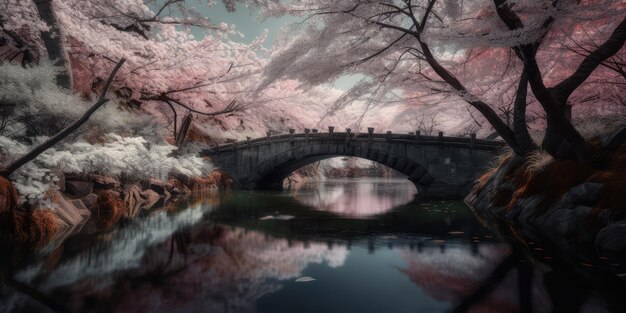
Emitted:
<point x="178" y="187"/>
<point x="524" y="208"/>
<point x="611" y="240"/>
<point x="78" y="188"/>
<point x="90" y="201"/>
<point x="167" y="194"/>
<point x="60" y="182"/>
<point x="132" y="201"/>
<point x="564" y="222"/>
<point x="613" y="140"/>
<point x="150" y="198"/>
<point x="160" y="186"/>
<point x="585" y="193"/>
<point x="105" y="182"/>
<point x="72" y="212"/>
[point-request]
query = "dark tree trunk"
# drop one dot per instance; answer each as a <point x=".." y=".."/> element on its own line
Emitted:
<point x="184" y="129"/>
<point x="525" y="143"/>
<point x="54" y="42"/>
<point x="561" y="140"/>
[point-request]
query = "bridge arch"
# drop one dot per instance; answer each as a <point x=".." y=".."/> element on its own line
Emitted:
<point x="441" y="166"/>
<point x="271" y="173"/>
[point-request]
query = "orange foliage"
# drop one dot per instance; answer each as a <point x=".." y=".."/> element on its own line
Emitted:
<point x="110" y="208"/>
<point x="35" y="228"/>
<point x="44" y="226"/>
<point x="8" y="195"/>
<point x="221" y="179"/>
<point x="553" y="181"/>
<point x="195" y="135"/>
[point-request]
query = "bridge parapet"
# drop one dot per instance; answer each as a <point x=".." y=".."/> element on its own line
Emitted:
<point x="471" y="141"/>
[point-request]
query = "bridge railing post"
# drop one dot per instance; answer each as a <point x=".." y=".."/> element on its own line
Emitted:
<point x="418" y="135"/>
<point x="248" y="141"/>
<point x="348" y="130"/>
<point x="331" y="129"/>
<point x="217" y="147"/>
<point x="370" y="131"/>
<point x="389" y="134"/>
<point x="441" y="139"/>
<point x="269" y="135"/>
<point x="472" y="140"/>
<point x="306" y="134"/>
<point x="291" y="132"/>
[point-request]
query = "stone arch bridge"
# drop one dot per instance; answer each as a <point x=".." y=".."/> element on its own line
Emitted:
<point x="439" y="166"/>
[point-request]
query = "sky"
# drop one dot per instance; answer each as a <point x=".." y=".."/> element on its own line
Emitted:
<point x="249" y="23"/>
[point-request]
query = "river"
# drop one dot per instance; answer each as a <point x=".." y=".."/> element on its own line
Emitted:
<point x="354" y="245"/>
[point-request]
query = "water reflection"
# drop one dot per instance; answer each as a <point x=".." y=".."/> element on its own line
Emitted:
<point x="361" y="197"/>
<point x="219" y="254"/>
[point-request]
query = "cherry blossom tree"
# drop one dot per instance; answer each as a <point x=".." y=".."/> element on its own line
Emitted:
<point x="474" y="51"/>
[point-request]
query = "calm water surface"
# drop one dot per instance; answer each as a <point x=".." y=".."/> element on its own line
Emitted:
<point x="360" y="245"/>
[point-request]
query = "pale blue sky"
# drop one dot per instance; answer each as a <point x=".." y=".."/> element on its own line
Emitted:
<point x="247" y="22"/>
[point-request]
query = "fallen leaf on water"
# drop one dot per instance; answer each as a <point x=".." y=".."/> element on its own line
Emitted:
<point x="284" y="217"/>
<point x="456" y="232"/>
<point x="277" y="217"/>
<point x="304" y="279"/>
<point x="439" y="241"/>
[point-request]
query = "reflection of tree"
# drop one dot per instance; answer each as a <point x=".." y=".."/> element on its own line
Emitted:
<point x="479" y="283"/>
<point x="206" y="269"/>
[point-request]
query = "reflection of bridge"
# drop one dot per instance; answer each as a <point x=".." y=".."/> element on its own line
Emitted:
<point x="407" y="225"/>
<point x="441" y="166"/>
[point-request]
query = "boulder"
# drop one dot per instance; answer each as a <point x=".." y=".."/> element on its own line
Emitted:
<point x="60" y="181"/>
<point x="90" y="201"/>
<point x="105" y="182"/>
<point x="585" y="193"/>
<point x="132" y="201"/>
<point x="160" y="186"/>
<point x="611" y="240"/>
<point x="613" y="140"/>
<point x="150" y="198"/>
<point x="564" y="222"/>
<point x="71" y="212"/>
<point x="178" y="187"/>
<point x="78" y="188"/>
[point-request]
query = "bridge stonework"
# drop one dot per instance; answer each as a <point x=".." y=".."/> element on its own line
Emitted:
<point x="440" y="167"/>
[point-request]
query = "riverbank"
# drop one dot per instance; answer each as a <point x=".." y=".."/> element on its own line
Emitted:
<point x="87" y="204"/>
<point x="575" y="207"/>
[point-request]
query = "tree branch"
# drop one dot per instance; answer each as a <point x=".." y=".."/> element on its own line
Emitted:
<point x="609" y="48"/>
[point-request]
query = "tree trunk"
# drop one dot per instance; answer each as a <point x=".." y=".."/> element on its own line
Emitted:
<point x="524" y="141"/>
<point x="184" y="129"/>
<point x="54" y="43"/>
